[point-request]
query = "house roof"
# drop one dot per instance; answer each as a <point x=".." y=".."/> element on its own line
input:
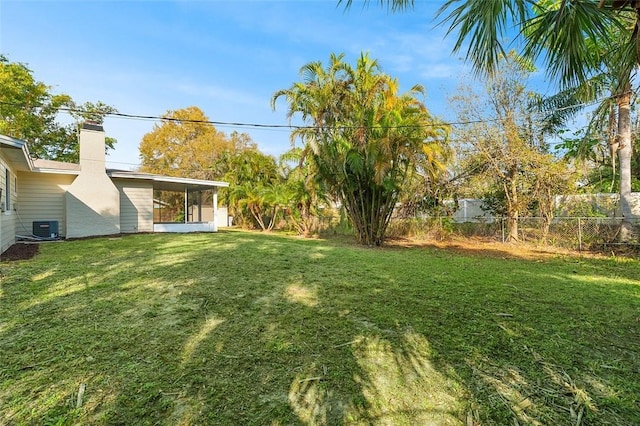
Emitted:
<point x="16" y="152"/>
<point x="168" y="183"/>
<point x="51" y="166"/>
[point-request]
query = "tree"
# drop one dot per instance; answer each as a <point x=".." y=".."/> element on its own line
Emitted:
<point x="184" y="144"/>
<point x="251" y="196"/>
<point x="28" y="112"/>
<point x="552" y="178"/>
<point x="611" y="128"/>
<point x="264" y="202"/>
<point x="427" y="190"/>
<point x="66" y="147"/>
<point x="363" y="137"/>
<point x="561" y="33"/>
<point x="503" y="143"/>
<point x="609" y="41"/>
<point x="304" y="194"/>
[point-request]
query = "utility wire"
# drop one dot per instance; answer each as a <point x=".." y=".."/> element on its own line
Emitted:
<point x="264" y="126"/>
<point x="284" y="126"/>
<point x="121" y="115"/>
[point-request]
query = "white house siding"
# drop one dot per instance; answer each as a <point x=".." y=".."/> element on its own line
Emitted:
<point x="7" y="215"/>
<point x="222" y="217"/>
<point x="136" y="205"/>
<point x="41" y="198"/>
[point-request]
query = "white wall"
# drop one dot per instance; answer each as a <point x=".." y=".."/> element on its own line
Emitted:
<point x="92" y="201"/>
<point x="136" y="205"/>
<point x="41" y="198"/>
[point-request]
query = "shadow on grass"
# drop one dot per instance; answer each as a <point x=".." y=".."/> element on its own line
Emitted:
<point x="242" y="328"/>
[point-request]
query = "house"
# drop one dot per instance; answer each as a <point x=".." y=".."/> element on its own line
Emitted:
<point x="87" y="199"/>
<point x="14" y="157"/>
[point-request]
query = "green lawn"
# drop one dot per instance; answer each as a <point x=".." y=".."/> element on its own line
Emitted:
<point x="242" y="328"/>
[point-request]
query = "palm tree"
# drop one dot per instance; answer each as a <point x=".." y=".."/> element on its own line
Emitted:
<point x="250" y="173"/>
<point x="561" y="33"/>
<point x="600" y="138"/>
<point x="363" y="137"/>
<point x="599" y="43"/>
<point x="263" y="201"/>
<point x="305" y="195"/>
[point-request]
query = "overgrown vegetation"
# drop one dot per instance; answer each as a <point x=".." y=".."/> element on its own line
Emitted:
<point x="589" y="48"/>
<point x="363" y="139"/>
<point x="250" y="328"/>
<point x="505" y="161"/>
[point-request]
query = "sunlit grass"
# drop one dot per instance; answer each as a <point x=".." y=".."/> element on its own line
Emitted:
<point x="248" y="328"/>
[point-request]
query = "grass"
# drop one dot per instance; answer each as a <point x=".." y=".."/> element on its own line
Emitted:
<point x="258" y="329"/>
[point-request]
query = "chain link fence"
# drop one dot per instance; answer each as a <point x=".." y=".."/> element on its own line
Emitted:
<point x="584" y="222"/>
<point x="575" y="233"/>
<point x="581" y="233"/>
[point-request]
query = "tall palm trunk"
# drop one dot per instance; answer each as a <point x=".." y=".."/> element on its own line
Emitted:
<point x="624" y="156"/>
<point x="613" y="142"/>
<point x="625" y="148"/>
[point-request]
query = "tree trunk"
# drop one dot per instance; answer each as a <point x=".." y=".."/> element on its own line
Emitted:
<point x="512" y="206"/>
<point x="624" y="156"/>
<point x="257" y="215"/>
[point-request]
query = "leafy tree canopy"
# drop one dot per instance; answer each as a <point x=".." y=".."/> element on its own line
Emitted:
<point x="28" y="111"/>
<point x="577" y="40"/>
<point x="364" y="138"/>
<point x="505" y="157"/>
<point x="255" y="185"/>
<point x="185" y="143"/>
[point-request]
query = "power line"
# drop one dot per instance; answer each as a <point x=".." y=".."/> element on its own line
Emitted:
<point x="265" y="126"/>
<point x="71" y="110"/>
<point x="284" y="127"/>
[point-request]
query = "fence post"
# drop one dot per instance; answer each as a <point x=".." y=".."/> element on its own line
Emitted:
<point x="579" y="234"/>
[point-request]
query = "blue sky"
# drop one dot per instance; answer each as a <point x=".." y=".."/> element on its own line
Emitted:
<point x="226" y="57"/>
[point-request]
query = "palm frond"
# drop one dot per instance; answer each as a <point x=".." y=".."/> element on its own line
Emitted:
<point x="565" y="35"/>
<point x="393" y="5"/>
<point x="484" y="25"/>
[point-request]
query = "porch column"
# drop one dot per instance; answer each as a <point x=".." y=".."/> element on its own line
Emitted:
<point x="215" y="209"/>
<point x="200" y="206"/>
<point x="186" y="196"/>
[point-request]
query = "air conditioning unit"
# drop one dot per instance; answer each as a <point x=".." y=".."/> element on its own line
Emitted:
<point x="45" y="228"/>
